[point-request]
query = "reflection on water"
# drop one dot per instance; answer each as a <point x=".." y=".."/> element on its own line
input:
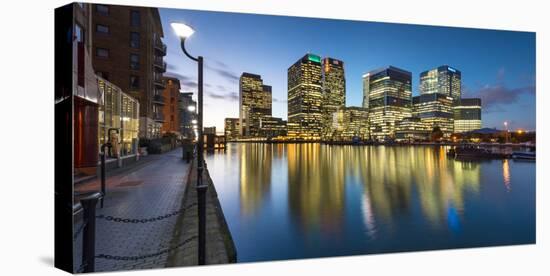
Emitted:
<point x="309" y="200"/>
<point x="506" y="174"/>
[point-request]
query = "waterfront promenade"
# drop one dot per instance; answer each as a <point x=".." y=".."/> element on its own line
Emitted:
<point x="155" y="186"/>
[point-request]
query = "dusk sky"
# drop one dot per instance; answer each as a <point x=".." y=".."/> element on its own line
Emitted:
<point x="497" y="66"/>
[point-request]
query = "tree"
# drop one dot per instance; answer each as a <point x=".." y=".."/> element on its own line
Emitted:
<point x="437" y="134"/>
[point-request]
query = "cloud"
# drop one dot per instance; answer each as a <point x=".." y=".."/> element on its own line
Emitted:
<point x="231" y="96"/>
<point x="223" y="70"/>
<point x="492" y="96"/>
<point x="275" y="100"/>
<point x="185" y="81"/>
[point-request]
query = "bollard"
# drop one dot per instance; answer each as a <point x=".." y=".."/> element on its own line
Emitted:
<point x="106" y="145"/>
<point x="201" y="198"/>
<point x="88" y="239"/>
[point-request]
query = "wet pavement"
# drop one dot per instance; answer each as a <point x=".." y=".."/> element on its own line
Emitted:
<point x="151" y="188"/>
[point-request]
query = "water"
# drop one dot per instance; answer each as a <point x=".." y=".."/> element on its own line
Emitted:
<point x="287" y="201"/>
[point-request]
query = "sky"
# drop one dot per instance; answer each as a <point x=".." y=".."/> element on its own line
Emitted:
<point x="497" y="66"/>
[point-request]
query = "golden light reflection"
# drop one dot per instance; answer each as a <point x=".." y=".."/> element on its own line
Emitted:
<point x="506" y="174"/>
<point x="393" y="181"/>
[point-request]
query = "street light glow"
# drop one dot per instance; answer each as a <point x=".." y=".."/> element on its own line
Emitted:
<point x="191" y="108"/>
<point x="194" y="122"/>
<point x="182" y="30"/>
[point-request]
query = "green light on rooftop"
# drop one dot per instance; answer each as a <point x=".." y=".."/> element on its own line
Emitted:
<point x="314" y="58"/>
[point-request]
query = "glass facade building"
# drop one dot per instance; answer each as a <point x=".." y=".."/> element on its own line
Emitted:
<point x="350" y="124"/>
<point x="444" y="80"/>
<point x="389" y="98"/>
<point x="412" y="129"/>
<point x="231" y="129"/>
<point x="254" y="104"/>
<point x="118" y="113"/>
<point x="305" y="97"/>
<point x="435" y="110"/>
<point x="334" y="92"/>
<point x="467" y="115"/>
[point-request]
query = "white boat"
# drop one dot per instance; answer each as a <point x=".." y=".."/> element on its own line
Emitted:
<point x="528" y="155"/>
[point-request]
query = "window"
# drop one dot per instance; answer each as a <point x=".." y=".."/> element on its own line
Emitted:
<point x="102" y="9"/>
<point x="102" y="52"/>
<point x="135" y="18"/>
<point x="134" y="40"/>
<point x="104" y="29"/>
<point x="134" y="82"/>
<point x="134" y="61"/>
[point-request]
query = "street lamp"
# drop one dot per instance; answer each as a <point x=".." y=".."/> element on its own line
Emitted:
<point x="507" y="131"/>
<point x="184" y="31"/>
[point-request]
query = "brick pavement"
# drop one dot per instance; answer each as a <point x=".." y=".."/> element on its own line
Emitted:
<point x="150" y="189"/>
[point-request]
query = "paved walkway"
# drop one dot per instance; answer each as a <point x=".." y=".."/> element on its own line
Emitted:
<point x="149" y="189"/>
<point x="220" y="248"/>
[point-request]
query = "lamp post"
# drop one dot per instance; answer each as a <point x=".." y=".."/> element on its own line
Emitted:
<point x="184" y="31"/>
<point x="507" y="131"/>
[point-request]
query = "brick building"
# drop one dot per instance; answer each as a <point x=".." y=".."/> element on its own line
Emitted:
<point x="128" y="51"/>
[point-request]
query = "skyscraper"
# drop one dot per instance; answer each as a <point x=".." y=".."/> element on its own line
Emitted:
<point x="435" y="110"/>
<point x="305" y="97"/>
<point x="254" y="104"/>
<point x="334" y="92"/>
<point x="389" y="100"/>
<point x="444" y="80"/>
<point x="366" y="91"/>
<point x="467" y="115"/>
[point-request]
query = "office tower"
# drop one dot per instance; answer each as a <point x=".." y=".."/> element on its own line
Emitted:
<point x="444" y="80"/>
<point x="334" y="92"/>
<point x="271" y="127"/>
<point x="188" y="114"/>
<point x="209" y="130"/>
<point x="355" y="124"/>
<point x="467" y="115"/>
<point x="389" y="100"/>
<point x="254" y="104"/>
<point x="231" y="129"/>
<point x="305" y="97"/>
<point x="366" y="91"/>
<point x="435" y="110"/>
<point x="171" y="110"/>
<point x="128" y="51"/>
<point x="412" y="129"/>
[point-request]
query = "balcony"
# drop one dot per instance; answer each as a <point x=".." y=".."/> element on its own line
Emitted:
<point x="159" y="117"/>
<point x="160" y="83"/>
<point x="159" y="65"/>
<point x="158" y="99"/>
<point x="160" y="47"/>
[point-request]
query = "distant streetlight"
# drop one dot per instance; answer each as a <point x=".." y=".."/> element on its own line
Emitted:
<point x="194" y="122"/>
<point x="191" y="108"/>
<point x="184" y="31"/>
<point x="507" y="131"/>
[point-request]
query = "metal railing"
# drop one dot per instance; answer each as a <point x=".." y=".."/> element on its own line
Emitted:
<point x="88" y="230"/>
